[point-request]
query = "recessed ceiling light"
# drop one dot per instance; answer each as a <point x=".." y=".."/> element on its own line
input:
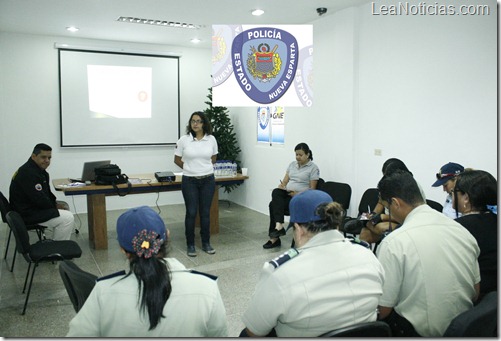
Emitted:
<point x="195" y="40"/>
<point x="72" y="29"/>
<point x="157" y="22"/>
<point x="257" y="12"/>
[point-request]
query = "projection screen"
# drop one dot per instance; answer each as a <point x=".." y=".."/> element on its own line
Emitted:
<point x="118" y="99"/>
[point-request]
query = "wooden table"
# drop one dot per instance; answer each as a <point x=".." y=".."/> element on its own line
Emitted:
<point x="96" y="200"/>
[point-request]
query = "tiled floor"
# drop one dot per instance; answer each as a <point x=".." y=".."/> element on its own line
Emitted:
<point x="238" y="260"/>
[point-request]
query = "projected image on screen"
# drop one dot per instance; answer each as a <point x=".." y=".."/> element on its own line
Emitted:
<point x="118" y="98"/>
<point x="119" y="91"/>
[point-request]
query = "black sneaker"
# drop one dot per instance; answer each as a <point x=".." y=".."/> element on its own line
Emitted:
<point x="191" y="251"/>
<point x="207" y="248"/>
<point x="270" y="245"/>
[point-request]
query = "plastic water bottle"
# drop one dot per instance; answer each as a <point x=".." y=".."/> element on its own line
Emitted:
<point x="234" y="169"/>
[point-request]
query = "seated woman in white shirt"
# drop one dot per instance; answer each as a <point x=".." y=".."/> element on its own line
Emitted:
<point x="158" y="297"/>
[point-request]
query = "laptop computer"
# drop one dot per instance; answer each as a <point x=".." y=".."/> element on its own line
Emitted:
<point x="88" y="170"/>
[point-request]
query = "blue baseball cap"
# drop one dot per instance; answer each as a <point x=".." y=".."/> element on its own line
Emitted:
<point x="132" y="223"/>
<point x="303" y="206"/>
<point x="447" y="172"/>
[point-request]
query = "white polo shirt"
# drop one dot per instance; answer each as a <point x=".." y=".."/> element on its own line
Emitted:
<point x="196" y="154"/>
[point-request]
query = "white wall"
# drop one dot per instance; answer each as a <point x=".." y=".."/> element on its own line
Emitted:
<point x="420" y="88"/>
<point x="29" y="107"/>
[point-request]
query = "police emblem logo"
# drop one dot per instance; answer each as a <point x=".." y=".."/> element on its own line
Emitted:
<point x="38" y="187"/>
<point x="263" y="116"/>
<point x="264" y="62"/>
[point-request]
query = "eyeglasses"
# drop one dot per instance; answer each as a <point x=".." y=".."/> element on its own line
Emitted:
<point x="196" y="121"/>
<point x="445" y="175"/>
<point x="455" y="190"/>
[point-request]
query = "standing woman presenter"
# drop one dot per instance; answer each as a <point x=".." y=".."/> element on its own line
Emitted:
<point x="196" y="154"/>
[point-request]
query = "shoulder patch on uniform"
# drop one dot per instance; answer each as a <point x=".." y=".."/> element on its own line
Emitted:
<point x="284" y="257"/>
<point x="360" y="242"/>
<point x="204" y="274"/>
<point x="116" y="274"/>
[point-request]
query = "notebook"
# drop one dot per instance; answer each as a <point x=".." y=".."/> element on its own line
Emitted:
<point x="88" y="170"/>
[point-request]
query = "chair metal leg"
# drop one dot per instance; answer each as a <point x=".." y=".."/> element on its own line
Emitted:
<point x="29" y="288"/>
<point x="26" y="279"/>
<point x="13" y="261"/>
<point x="7" y="245"/>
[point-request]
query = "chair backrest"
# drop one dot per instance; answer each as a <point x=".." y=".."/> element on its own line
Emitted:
<point x="370" y="199"/>
<point x="78" y="283"/>
<point x="4" y="207"/>
<point x="20" y="231"/>
<point x="479" y="321"/>
<point x="435" y="205"/>
<point x="366" y="329"/>
<point x="339" y="192"/>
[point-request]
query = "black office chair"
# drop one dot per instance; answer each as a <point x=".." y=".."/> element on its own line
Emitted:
<point x="339" y="192"/>
<point x="4" y="209"/>
<point x="435" y="205"/>
<point x="78" y="283"/>
<point x="479" y="321"/>
<point x="366" y="329"/>
<point x="369" y="200"/>
<point x="42" y="251"/>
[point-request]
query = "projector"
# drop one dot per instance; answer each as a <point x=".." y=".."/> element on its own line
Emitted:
<point x="165" y="176"/>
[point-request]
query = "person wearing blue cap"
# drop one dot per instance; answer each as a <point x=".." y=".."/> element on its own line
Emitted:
<point x="158" y="297"/>
<point x="325" y="283"/>
<point x="446" y="178"/>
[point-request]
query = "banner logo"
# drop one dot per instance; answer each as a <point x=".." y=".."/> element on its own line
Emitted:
<point x="263" y="116"/>
<point x="222" y="36"/>
<point x="264" y="61"/>
<point x="304" y="77"/>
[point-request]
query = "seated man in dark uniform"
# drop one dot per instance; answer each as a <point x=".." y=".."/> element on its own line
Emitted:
<point x="31" y="197"/>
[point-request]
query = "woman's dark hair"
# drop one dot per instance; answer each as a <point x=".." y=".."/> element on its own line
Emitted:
<point x="481" y="187"/>
<point x="331" y="214"/>
<point x="304" y="147"/>
<point x="392" y="165"/>
<point x="153" y="277"/>
<point x="207" y="128"/>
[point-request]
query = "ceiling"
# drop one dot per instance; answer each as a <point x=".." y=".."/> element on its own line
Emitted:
<point x="96" y="19"/>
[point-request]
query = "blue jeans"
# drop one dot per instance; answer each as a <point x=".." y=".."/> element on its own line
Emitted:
<point x="197" y="194"/>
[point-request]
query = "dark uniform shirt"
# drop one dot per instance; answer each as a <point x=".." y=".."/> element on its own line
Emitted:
<point x="484" y="227"/>
<point x="30" y="194"/>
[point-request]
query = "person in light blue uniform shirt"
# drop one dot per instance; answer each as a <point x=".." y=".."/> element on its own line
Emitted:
<point x="158" y="297"/>
<point x="325" y="283"/>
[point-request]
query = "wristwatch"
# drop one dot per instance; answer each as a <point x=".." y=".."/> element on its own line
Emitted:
<point x="376" y="219"/>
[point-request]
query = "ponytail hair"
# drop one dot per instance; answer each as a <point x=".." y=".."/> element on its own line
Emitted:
<point x="331" y="214"/>
<point x="154" y="283"/>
